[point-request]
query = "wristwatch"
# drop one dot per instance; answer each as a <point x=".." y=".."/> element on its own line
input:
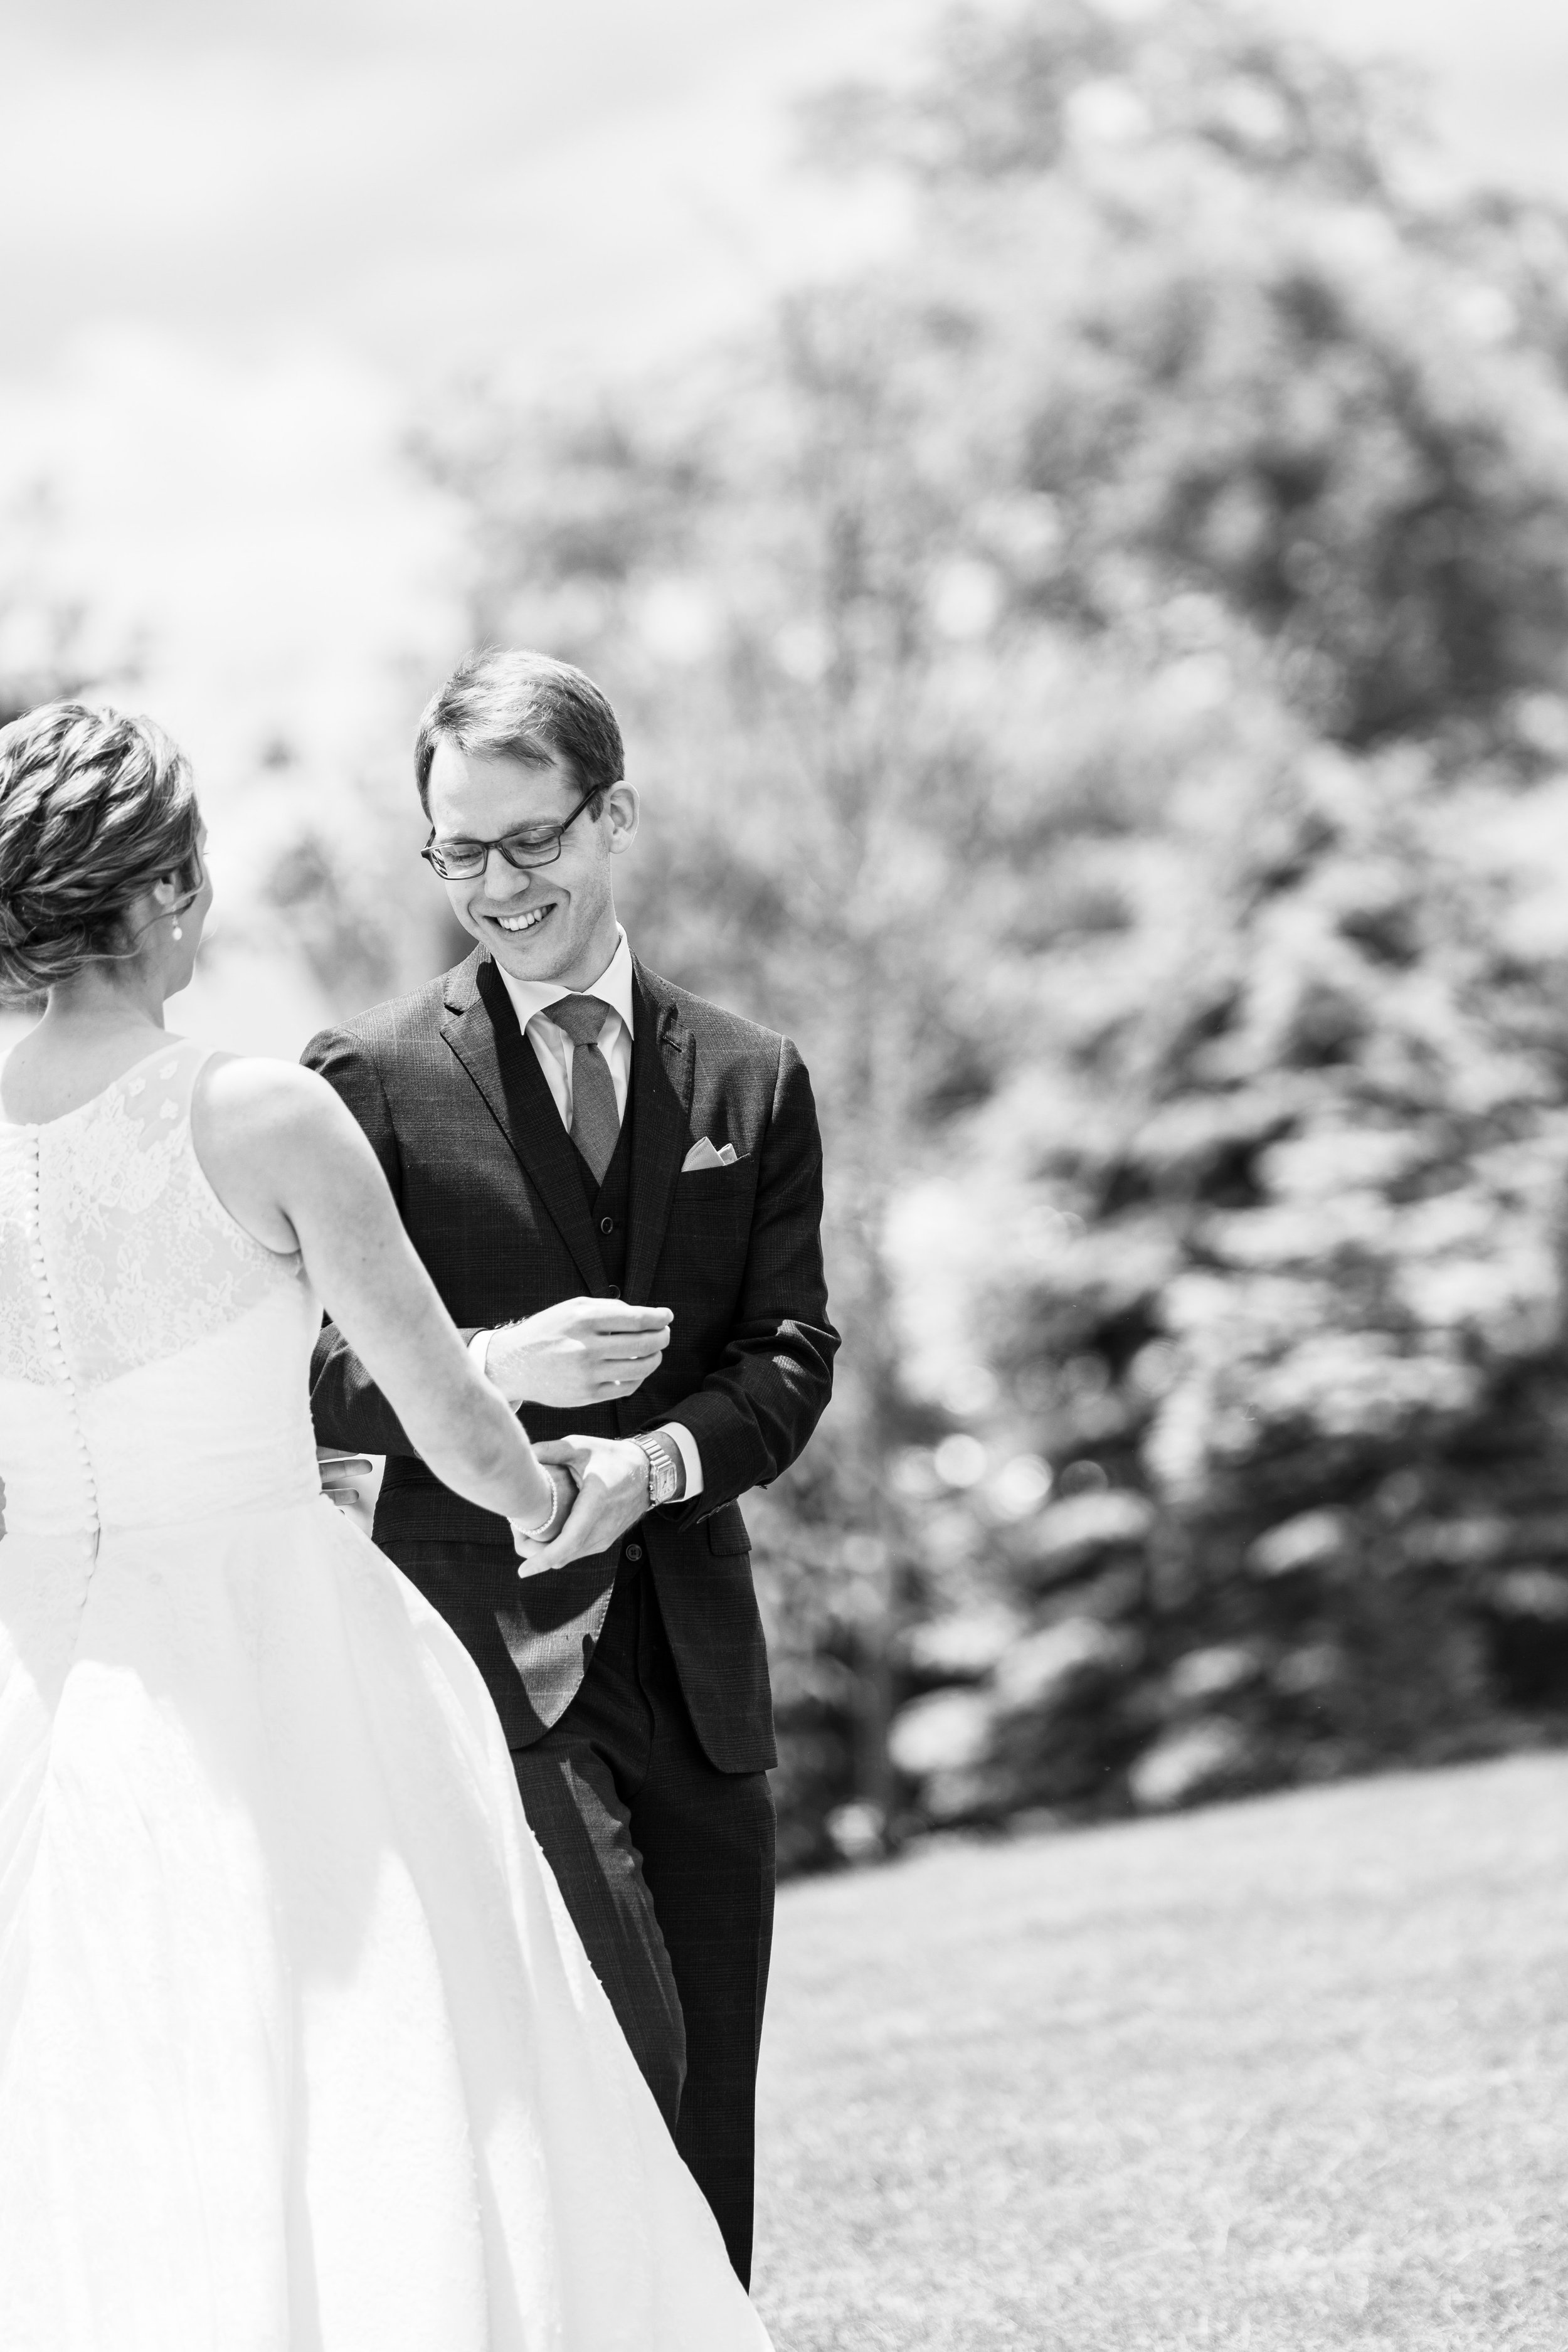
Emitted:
<point x="664" y="1467"/>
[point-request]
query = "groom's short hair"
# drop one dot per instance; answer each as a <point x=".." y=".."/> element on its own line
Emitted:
<point x="518" y="705"/>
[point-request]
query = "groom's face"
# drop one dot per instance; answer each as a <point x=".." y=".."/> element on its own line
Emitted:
<point x="554" y="922"/>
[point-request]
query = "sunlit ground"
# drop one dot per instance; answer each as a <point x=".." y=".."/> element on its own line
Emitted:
<point x="1282" y="2076"/>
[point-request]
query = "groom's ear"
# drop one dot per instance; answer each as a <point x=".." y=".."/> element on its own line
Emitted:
<point x="623" y="806"/>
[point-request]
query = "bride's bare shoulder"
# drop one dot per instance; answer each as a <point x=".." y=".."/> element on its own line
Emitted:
<point x="256" y="1084"/>
<point x="249" y="1103"/>
<point x="276" y="1144"/>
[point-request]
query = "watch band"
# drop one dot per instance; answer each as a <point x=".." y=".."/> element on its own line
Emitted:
<point x="663" y="1468"/>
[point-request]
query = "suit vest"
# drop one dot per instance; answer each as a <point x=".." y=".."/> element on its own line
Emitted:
<point x="610" y="1200"/>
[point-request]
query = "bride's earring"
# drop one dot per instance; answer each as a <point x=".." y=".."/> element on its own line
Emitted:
<point x="177" y="933"/>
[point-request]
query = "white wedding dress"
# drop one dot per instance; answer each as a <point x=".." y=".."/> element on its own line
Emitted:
<point x="299" y="2049"/>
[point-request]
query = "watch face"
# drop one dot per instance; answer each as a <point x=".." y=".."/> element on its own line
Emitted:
<point x="661" y="1476"/>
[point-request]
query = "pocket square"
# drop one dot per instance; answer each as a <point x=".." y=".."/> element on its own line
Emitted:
<point x="702" y="1155"/>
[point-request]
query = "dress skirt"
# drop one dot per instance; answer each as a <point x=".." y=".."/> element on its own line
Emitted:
<point x="299" y="2049"/>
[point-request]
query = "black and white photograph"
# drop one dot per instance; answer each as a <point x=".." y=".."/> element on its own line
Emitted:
<point x="784" y="1176"/>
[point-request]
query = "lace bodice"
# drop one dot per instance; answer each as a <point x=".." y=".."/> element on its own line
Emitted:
<point x="148" y="1344"/>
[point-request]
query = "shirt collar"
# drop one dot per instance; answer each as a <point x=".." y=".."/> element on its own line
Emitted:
<point x="613" y="987"/>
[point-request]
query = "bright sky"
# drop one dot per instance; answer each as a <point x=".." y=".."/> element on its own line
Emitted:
<point x="420" y="182"/>
<point x="240" y="243"/>
<point x="425" y="183"/>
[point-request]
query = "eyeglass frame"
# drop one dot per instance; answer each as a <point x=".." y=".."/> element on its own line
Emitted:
<point x="553" y="838"/>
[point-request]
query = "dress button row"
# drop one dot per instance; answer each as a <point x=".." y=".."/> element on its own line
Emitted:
<point x="49" y="1317"/>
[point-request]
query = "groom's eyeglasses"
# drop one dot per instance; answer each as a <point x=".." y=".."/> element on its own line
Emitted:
<point x="530" y="845"/>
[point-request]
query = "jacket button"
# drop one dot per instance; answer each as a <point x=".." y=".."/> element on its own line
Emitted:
<point x="612" y="1290"/>
<point x="634" y="1552"/>
<point x="606" y="1225"/>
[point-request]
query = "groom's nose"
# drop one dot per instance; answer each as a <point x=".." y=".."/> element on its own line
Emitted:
<point x="504" y="881"/>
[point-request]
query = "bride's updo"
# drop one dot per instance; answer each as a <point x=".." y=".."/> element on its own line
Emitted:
<point x="94" y="807"/>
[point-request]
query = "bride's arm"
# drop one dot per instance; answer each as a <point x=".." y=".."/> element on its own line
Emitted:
<point x="290" y="1163"/>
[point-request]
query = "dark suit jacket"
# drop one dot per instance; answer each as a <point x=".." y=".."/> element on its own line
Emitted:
<point x="490" y="1188"/>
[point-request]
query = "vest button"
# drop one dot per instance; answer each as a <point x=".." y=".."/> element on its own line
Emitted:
<point x="634" y="1552"/>
<point x="606" y="1225"/>
<point x="611" y="1290"/>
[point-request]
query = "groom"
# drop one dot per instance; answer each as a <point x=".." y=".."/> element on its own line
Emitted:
<point x="617" y="1188"/>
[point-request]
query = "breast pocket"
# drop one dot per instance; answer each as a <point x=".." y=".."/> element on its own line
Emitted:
<point x="714" y="1202"/>
<point x="735" y="1175"/>
<point x="710" y="1219"/>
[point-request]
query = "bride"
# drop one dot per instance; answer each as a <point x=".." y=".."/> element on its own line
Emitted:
<point x="299" y="2050"/>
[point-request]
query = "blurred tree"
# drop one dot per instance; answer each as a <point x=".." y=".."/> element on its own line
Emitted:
<point x="1223" y="342"/>
<point x="1086" y="675"/>
<point x="1295" y="434"/>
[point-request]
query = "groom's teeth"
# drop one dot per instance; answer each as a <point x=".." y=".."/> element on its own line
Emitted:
<point x="523" y="922"/>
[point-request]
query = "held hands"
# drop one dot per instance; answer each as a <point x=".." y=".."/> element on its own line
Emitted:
<point x="530" y="1548"/>
<point x="579" y="1351"/>
<point x="611" y="1478"/>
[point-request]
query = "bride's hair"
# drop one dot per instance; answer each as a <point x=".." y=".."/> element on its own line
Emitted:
<point x="94" y="808"/>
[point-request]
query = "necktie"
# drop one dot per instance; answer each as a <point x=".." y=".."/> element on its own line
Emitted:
<point x="596" y="1122"/>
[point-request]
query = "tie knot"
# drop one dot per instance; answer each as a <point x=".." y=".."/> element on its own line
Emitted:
<point x="581" y="1018"/>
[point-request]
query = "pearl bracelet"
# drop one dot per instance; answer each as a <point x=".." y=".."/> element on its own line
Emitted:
<point x="546" y="1526"/>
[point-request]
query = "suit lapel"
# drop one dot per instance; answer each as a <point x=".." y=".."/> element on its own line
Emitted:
<point x="481" y="1029"/>
<point x="664" y="1063"/>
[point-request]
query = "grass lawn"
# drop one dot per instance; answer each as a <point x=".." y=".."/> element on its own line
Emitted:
<point x="1285" y="2074"/>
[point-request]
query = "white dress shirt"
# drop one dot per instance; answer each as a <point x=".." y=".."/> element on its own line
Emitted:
<point x="555" y="1052"/>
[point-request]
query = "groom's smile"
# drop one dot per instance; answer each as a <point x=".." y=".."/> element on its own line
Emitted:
<point x="516" y="921"/>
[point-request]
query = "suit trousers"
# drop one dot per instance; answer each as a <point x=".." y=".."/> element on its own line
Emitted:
<point x="665" y="1866"/>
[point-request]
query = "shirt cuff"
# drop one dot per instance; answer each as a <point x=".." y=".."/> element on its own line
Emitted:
<point x="477" y="1346"/>
<point x="685" y="1446"/>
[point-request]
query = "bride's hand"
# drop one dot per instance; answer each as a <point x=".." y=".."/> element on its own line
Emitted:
<point x="528" y="1545"/>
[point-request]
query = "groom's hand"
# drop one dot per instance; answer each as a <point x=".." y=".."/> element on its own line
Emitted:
<point x="348" y="1480"/>
<point x="612" y="1476"/>
<point x="579" y="1351"/>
